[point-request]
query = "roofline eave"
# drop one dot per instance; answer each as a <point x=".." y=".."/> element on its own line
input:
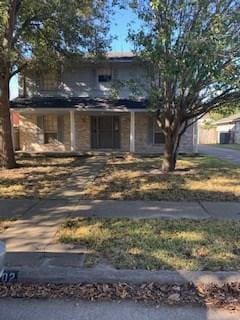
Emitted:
<point x="78" y="109"/>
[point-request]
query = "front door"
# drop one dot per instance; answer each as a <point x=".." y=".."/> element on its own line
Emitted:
<point x="105" y="132"/>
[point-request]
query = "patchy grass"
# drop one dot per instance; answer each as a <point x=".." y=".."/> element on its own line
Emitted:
<point x="233" y="146"/>
<point x="157" y="244"/>
<point x="37" y="177"/>
<point x="196" y="178"/>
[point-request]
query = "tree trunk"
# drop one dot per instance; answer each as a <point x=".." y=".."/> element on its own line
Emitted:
<point x="7" y="156"/>
<point x="170" y="155"/>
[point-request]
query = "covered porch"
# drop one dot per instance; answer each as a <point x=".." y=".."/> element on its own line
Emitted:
<point x="85" y="127"/>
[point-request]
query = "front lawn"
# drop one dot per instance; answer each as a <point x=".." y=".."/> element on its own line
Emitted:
<point x="37" y="177"/>
<point x="196" y="178"/>
<point x="233" y="146"/>
<point x="156" y="244"/>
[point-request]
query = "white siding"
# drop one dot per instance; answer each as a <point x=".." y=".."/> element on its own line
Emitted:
<point x="82" y="81"/>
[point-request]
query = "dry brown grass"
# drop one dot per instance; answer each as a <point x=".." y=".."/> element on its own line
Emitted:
<point x="196" y="178"/>
<point x="37" y="177"/>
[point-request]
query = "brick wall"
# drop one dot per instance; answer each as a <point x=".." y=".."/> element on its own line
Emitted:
<point x="125" y="131"/>
<point x="144" y="139"/>
<point x="29" y="140"/>
<point x="83" y="131"/>
<point x="83" y="134"/>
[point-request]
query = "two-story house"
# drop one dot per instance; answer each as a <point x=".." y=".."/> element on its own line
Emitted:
<point x="73" y="110"/>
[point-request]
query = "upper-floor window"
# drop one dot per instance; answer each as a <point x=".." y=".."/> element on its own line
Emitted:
<point x="105" y="75"/>
<point x="158" y="135"/>
<point x="50" y="81"/>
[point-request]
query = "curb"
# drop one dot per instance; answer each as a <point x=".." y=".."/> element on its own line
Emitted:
<point x="106" y="274"/>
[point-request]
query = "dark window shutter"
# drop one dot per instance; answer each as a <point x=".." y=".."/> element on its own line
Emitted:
<point x="150" y="129"/>
<point x="60" y="121"/>
<point x="40" y="129"/>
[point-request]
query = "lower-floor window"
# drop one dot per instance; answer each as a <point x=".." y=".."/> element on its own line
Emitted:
<point x="158" y="135"/>
<point x="50" y="128"/>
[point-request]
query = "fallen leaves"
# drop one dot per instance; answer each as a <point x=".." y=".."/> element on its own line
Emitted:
<point x="227" y="295"/>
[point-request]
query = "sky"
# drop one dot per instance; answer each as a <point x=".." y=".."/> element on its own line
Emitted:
<point x="119" y="28"/>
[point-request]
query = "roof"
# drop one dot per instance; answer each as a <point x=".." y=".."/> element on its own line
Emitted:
<point x="77" y="103"/>
<point x="120" y="55"/>
<point x="231" y="119"/>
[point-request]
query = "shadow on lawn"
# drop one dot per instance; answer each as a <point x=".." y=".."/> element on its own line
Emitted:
<point x="37" y="177"/>
<point x="43" y="161"/>
<point x="203" y="179"/>
<point x="52" y="214"/>
<point x="158" y="244"/>
<point x="175" y="190"/>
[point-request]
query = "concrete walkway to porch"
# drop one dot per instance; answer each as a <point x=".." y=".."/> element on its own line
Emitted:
<point x="75" y="183"/>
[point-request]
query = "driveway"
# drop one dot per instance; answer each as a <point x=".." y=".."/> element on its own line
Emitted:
<point x="221" y="153"/>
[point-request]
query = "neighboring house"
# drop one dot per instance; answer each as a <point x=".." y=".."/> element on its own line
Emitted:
<point x="79" y="110"/>
<point x="228" y="129"/>
<point x="207" y="133"/>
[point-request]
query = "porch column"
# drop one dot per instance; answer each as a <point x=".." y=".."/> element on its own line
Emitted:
<point x="132" y="132"/>
<point x="72" y="131"/>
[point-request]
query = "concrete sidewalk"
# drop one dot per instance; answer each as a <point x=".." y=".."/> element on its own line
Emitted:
<point x="33" y="249"/>
<point x="38" y="221"/>
<point x="50" y="208"/>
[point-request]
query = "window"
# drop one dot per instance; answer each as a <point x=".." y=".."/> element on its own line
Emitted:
<point x="50" y="81"/>
<point x="50" y="128"/>
<point x="104" y="78"/>
<point x="158" y="135"/>
<point x="104" y="75"/>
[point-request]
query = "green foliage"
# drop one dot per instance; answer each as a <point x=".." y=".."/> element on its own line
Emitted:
<point x="225" y="111"/>
<point x="45" y="32"/>
<point x="191" y="53"/>
<point x="222" y="112"/>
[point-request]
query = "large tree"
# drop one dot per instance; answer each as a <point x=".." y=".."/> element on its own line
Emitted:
<point x="37" y="33"/>
<point x="191" y="53"/>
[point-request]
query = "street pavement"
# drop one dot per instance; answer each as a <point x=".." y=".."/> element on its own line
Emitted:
<point x="19" y="309"/>
<point x="221" y="153"/>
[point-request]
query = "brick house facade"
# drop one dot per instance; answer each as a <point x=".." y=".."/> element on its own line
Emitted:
<point x="80" y="115"/>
